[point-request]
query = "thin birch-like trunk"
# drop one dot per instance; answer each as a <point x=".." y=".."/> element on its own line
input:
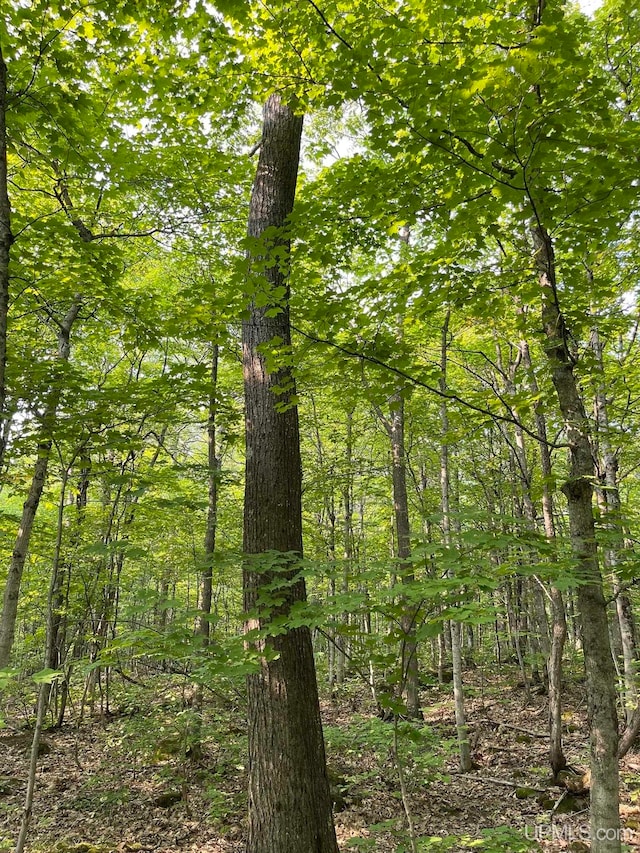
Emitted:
<point x="44" y="689"/>
<point x="558" y="616"/>
<point x="462" y="731"/>
<point x="608" y="493"/>
<point x="205" y="581"/>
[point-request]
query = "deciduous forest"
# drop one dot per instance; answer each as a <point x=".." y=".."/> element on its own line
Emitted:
<point x="319" y="426"/>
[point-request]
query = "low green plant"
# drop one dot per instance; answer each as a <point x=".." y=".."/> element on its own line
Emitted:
<point x="497" y="839"/>
<point x="424" y="750"/>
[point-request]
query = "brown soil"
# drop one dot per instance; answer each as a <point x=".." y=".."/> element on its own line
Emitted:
<point x="125" y="784"/>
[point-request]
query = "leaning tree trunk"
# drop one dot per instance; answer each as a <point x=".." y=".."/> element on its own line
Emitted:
<point x="289" y="801"/>
<point x="6" y="239"/>
<point x="44" y="689"/>
<point x="30" y="508"/>
<point x="578" y="490"/>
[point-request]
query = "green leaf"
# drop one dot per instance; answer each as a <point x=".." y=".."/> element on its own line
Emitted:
<point x="47" y="676"/>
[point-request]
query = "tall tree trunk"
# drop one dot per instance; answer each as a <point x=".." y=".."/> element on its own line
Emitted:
<point x="331" y="557"/>
<point x="558" y="616"/>
<point x="205" y="581"/>
<point x="60" y="595"/>
<point x="30" y="508"/>
<point x="578" y="490"/>
<point x="326" y="519"/>
<point x="342" y="649"/>
<point x="462" y="732"/>
<point x="289" y="800"/>
<point x="205" y="587"/>
<point x="401" y="550"/>
<point x="409" y="650"/>
<point x="609" y="500"/>
<point x="6" y="239"/>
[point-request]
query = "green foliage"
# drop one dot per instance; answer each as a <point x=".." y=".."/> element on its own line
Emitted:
<point x="453" y="126"/>
<point x="492" y="840"/>
<point x="46" y="676"/>
<point x="424" y="751"/>
<point x="6" y="676"/>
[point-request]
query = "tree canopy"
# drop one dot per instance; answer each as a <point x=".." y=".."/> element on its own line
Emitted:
<point x="460" y="272"/>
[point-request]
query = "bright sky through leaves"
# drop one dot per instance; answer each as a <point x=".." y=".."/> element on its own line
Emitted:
<point x="590" y="6"/>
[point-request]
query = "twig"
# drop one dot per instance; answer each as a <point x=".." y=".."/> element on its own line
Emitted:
<point x="504" y="782"/>
<point x="370" y="359"/>
<point x="403" y="788"/>
<point x="558" y="801"/>
<point x="43" y="700"/>
<point x="519" y="729"/>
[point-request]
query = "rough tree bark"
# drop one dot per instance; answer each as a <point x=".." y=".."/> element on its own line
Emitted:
<point x="289" y="800"/>
<point x="578" y="490"/>
<point x="30" y="508"/>
<point x="6" y="239"/>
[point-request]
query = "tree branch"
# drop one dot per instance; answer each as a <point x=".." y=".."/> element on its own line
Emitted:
<point x="371" y="359"/>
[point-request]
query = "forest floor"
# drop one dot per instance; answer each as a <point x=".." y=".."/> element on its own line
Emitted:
<point x="133" y="781"/>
